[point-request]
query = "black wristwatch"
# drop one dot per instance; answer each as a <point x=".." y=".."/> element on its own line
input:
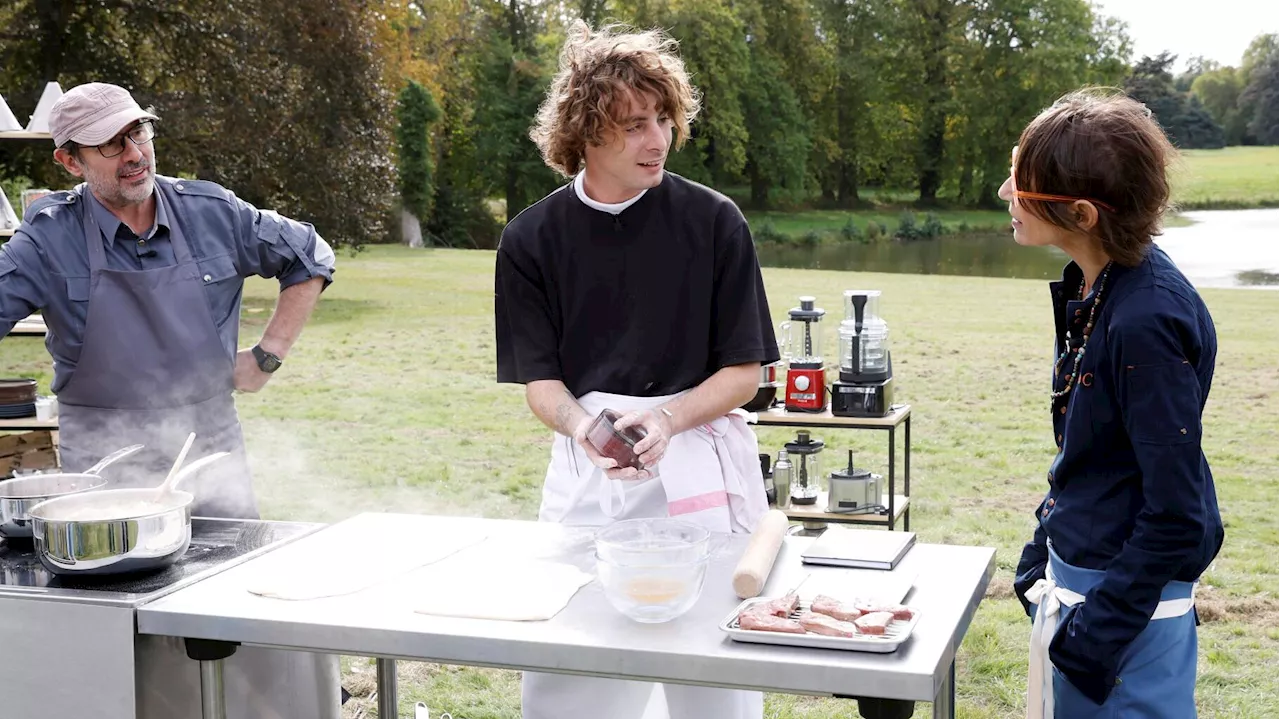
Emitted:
<point x="267" y="362"/>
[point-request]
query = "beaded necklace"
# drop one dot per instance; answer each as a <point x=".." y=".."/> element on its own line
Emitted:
<point x="1088" y="329"/>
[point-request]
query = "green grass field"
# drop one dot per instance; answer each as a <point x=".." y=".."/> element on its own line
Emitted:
<point x="388" y="403"/>
<point x="1230" y="178"/>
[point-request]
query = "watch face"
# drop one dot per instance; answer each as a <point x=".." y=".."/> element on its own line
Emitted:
<point x="267" y="362"/>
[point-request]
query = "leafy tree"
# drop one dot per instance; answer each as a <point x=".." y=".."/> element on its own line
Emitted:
<point x="1018" y="56"/>
<point x="417" y="112"/>
<point x="512" y="75"/>
<point x="713" y="45"/>
<point x="1260" y="51"/>
<point x="853" y="117"/>
<point x="285" y="104"/>
<point x="1264" y="95"/>
<point x="1218" y="91"/>
<point x="1182" y="116"/>
<point x="777" y="121"/>
<point x="935" y="23"/>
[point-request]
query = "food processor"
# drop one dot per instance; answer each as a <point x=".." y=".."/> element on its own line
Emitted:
<point x="865" y="387"/>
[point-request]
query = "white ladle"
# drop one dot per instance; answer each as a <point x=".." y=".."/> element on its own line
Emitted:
<point x="113" y="457"/>
<point x="175" y="476"/>
<point x="173" y="471"/>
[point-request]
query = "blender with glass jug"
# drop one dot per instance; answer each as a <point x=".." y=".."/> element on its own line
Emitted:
<point x="865" y="387"/>
<point x="806" y="480"/>
<point x="806" y="374"/>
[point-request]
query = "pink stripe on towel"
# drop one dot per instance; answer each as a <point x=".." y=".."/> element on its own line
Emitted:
<point x="697" y="503"/>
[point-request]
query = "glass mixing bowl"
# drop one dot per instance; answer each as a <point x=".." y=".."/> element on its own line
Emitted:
<point x="652" y="570"/>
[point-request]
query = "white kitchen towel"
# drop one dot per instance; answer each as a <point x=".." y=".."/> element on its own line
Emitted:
<point x="741" y="477"/>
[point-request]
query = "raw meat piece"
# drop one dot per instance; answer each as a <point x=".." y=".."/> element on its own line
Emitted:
<point x="873" y="623"/>
<point x="822" y="604"/>
<point x="780" y="607"/>
<point x="765" y="622"/>
<point x="897" y="610"/>
<point x="826" y="626"/>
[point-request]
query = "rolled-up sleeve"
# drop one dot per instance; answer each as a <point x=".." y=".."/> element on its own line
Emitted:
<point x="1161" y="399"/>
<point x="24" y="281"/>
<point x="274" y="246"/>
<point x="525" y="333"/>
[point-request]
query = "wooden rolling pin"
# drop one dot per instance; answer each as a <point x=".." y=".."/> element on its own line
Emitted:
<point x="753" y="569"/>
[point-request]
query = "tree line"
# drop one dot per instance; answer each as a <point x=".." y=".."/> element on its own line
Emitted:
<point x="352" y="112"/>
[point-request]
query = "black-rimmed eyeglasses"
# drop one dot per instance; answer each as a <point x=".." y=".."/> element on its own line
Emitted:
<point x="140" y="134"/>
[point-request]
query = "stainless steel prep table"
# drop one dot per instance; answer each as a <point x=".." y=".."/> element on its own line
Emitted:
<point x="588" y="637"/>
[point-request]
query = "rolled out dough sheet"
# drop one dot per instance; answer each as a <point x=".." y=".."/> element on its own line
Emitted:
<point x="517" y="591"/>
<point x="339" y="565"/>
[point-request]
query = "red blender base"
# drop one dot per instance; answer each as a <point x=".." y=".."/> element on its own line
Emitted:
<point x="806" y="390"/>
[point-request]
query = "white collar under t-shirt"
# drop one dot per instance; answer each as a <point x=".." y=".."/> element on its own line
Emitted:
<point x="612" y="209"/>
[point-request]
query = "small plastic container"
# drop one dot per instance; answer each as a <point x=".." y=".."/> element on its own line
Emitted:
<point x="612" y="443"/>
<point x="46" y="409"/>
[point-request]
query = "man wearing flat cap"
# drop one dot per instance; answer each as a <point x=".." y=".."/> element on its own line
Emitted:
<point x="139" y="278"/>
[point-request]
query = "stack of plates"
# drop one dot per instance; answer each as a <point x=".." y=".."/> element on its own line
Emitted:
<point x="17" y="398"/>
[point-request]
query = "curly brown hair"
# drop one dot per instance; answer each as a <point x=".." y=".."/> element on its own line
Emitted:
<point x="1101" y="145"/>
<point x="597" y="72"/>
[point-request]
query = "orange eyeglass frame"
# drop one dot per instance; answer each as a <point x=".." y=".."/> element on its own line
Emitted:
<point x="1043" y="197"/>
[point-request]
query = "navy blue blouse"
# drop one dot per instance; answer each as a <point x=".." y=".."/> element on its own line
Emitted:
<point x="1130" y="490"/>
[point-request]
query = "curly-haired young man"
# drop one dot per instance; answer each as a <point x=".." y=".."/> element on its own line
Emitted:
<point x="634" y="289"/>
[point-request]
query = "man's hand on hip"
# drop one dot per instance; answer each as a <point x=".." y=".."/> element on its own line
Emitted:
<point x="248" y="376"/>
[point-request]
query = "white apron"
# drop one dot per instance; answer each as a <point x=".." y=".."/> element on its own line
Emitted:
<point x="705" y="477"/>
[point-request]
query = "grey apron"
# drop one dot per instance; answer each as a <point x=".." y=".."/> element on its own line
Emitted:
<point x="151" y="370"/>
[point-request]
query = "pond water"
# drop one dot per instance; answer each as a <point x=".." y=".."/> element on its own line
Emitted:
<point x="1221" y="248"/>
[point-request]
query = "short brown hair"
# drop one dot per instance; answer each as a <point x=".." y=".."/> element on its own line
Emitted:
<point x="597" y="70"/>
<point x="1101" y="145"/>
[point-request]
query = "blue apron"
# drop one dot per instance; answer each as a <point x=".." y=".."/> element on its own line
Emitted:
<point x="1157" y="672"/>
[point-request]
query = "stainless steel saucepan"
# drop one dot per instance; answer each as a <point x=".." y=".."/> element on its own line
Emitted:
<point x="115" y="531"/>
<point x="18" y="496"/>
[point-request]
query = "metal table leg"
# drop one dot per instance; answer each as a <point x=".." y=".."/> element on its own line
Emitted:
<point x="906" y="475"/>
<point x="387" y="701"/>
<point x="944" y="705"/>
<point x="893" y="450"/>
<point x="211" y="655"/>
<point x="213" y="701"/>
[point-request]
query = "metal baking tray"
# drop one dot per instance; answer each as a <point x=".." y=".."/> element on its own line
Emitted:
<point x="894" y="635"/>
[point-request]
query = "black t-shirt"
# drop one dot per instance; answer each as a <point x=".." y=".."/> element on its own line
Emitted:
<point x="650" y="302"/>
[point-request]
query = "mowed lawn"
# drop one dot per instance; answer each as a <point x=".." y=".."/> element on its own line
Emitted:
<point x="1233" y="177"/>
<point x="388" y="403"/>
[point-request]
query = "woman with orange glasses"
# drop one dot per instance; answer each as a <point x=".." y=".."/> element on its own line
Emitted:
<point x="1130" y="519"/>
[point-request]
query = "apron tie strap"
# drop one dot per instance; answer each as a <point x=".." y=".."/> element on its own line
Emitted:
<point x="1050" y="598"/>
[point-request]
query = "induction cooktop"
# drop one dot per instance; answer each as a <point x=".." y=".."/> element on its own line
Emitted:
<point x="216" y="545"/>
